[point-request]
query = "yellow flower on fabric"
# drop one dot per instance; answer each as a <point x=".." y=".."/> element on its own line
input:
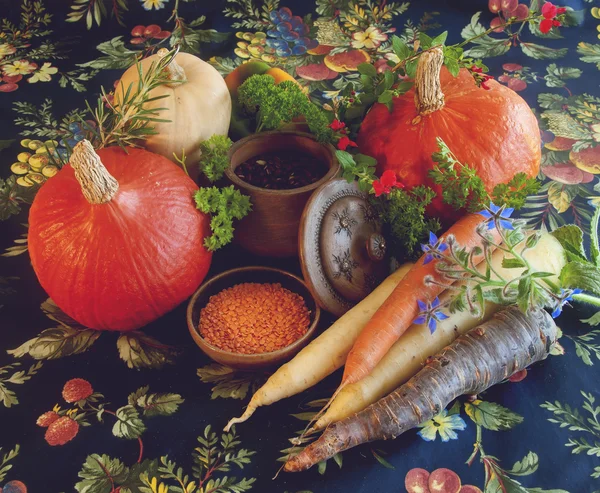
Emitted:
<point x="371" y="38"/>
<point x="18" y="67"/>
<point x="444" y="425"/>
<point x="6" y="49"/>
<point x="44" y="74"/>
<point x="157" y="4"/>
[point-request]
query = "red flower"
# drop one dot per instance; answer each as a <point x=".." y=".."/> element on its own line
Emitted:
<point x="336" y="125"/>
<point x="345" y="142"/>
<point x="545" y="26"/>
<point x="385" y="184"/>
<point x="47" y="419"/>
<point x="63" y="430"/>
<point x="76" y="390"/>
<point x="549" y="11"/>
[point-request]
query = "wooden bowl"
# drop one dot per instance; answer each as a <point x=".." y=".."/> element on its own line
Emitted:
<point x="271" y="228"/>
<point x="250" y="274"/>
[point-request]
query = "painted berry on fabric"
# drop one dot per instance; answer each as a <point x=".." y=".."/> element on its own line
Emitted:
<point x="47" y="419"/>
<point x="62" y="431"/>
<point x="14" y="487"/>
<point x="76" y="390"/>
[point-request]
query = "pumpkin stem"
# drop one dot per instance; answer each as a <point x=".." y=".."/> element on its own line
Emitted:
<point x="97" y="184"/>
<point x="174" y="71"/>
<point x="428" y="90"/>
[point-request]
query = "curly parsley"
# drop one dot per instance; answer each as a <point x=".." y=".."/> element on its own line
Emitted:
<point x="214" y="160"/>
<point x="225" y="205"/>
<point x="275" y="105"/>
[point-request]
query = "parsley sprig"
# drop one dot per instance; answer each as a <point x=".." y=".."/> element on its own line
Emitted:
<point x="225" y="205"/>
<point x="214" y="160"/>
<point x="275" y="105"/>
<point x="463" y="188"/>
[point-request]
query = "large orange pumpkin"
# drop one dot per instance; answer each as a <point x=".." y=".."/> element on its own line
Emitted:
<point x="115" y="238"/>
<point x="492" y="130"/>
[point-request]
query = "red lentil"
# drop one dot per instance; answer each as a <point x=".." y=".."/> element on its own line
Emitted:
<point x="252" y="318"/>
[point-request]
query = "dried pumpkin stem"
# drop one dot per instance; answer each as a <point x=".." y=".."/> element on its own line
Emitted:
<point x="428" y="90"/>
<point x="97" y="184"/>
<point x="173" y="71"/>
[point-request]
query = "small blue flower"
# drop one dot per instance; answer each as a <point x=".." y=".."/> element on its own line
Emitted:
<point x="433" y="249"/>
<point x="443" y="424"/>
<point x="497" y="216"/>
<point x="430" y="314"/>
<point x="565" y="297"/>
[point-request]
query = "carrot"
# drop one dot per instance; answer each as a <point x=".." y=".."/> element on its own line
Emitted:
<point x="490" y="353"/>
<point x="400" y="309"/>
<point x="325" y="354"/>
<point x="411" y="350"/>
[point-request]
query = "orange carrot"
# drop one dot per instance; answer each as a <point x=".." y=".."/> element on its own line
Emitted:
<point x="400" y="310"/>
<point x="485" y="356"/>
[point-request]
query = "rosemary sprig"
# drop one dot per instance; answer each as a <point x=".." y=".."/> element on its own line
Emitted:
<point x="130" y="121"/>
<point x="476" y="285"/>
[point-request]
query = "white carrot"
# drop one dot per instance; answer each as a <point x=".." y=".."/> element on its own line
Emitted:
<point x="410" y="352"/>
<point x="325" y="354"/>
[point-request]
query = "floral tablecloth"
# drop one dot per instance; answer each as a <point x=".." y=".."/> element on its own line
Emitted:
<point x="143" y="411"/>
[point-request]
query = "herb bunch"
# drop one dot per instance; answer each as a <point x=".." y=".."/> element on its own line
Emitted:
<point x="214" y="160"/>
<point x="225" y="205"/>
<point x="463" y="188"/>
<point x="404" y="212"/>
<point x="275" y="105"/>
<point x="474" y="285"/>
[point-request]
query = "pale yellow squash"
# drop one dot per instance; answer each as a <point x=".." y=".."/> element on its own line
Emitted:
<point x="198" y="107"/>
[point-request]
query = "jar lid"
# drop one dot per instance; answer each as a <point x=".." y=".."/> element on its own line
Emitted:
<point x="342" y="250"/>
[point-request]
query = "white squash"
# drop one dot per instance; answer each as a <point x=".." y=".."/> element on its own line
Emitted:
<point x="197" y="108"/>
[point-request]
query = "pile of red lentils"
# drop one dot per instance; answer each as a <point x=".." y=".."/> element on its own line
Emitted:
<point x="253" y="318"/>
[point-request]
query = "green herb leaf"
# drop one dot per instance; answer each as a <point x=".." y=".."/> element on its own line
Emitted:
<point x="381" y="460"/>
<point x="367" y="69"/>
<point x="452" y="66"/>
<point x="512" y="263"/>
<point x="425" y="41"/>
<point x="386" y="97"/>
<point x="411" y="68"/>
<point x="5" y="144"/>
<point x="492" y="416"/>
<point x="389" y="78"/>
<point x="594" y="320"/>
<point x="581" y="275"/>
<point x="594" y="246"/>
<point x="400" y="48"/>
<point x="571" y="239"/>
<point x="440" y="39"/>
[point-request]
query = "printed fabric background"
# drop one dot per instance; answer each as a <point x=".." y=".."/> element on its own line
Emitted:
<point x="143" y="411"/>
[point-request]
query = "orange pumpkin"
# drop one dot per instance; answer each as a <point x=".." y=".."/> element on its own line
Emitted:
<point x="115" y="238"/>
<point x="492" y="130"/>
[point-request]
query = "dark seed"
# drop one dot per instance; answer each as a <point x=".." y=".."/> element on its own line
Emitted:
<point x="282" y="170"/>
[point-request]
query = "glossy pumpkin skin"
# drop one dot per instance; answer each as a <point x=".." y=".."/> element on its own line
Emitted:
<point x="492" y="130"/>
<point x="125" y="263"/>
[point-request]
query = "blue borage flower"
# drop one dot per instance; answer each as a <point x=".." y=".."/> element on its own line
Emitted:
<point x="433" y="249"/>
<point x="430" y="314"/>
<point x="497" y="216"/>
<point x="566" y="295"/>
<point x="443" y="424"/>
